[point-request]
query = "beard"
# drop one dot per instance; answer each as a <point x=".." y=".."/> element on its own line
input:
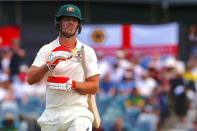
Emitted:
<point x="67" y="34"/>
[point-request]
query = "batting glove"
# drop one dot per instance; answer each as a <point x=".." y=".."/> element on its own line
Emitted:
<point x="60" y="83"/>
<point x="58" y="54"/>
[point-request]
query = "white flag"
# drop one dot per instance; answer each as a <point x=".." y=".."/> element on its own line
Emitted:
<point x="154" y="35"/>
<point x="102" y="35"/>
<point x="148" y="39"/>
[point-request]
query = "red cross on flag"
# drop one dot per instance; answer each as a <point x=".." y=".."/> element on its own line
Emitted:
<point x="145" y="39"/>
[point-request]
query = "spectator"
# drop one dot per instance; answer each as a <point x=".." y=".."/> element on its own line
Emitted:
<point x="192" y="36"/>
<point x="194" y="125"/>
<point x="188" y="74"/>
<point x="154" y="73"/>
<point x="118" y="125"/>
<point x="194" y="68"/>
<point x="5" y="61"/>
<point x="180" y="65"/>
<point x="183" y="125"/>
<point x="23" y="123"/>
<point x="3" y="80"/>
<point x="17" y="58"/>
<point x="121" y="59"/>
<point x="117" y="74"/>
<point x="137" y="68"/>
<point x="148" y="118"/>
<point x="146" y="84"/>
<point x="155" y="62"/>
<point x="135" y="100"/>
<point x="107" y="88"/>
<point x="179" y="98"/>
<point x="127" y="84"/>
<point x="104" y="65"/>
<point x="7" y="87"/>
<point x="164" y="89"/>
<point x="8" y="123"/>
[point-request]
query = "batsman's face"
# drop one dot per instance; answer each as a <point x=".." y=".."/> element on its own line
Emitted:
<point x="69" y="25"/>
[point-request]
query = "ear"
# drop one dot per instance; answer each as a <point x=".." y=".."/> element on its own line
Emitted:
<point x="79" y="28"/>
<point x="56" y="24"/>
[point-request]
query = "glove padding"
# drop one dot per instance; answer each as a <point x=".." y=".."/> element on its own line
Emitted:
<point x="58" y="54"/>
<point x="60" y="83"/>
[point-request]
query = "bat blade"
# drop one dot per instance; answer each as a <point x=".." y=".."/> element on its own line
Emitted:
<point x="91" y="98"/>
<point x="94" y="110"/>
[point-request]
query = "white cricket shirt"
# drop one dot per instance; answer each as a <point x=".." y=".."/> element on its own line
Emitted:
<point x="62" y="105"/>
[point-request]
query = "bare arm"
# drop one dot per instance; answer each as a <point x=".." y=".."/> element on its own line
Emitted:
<point x="36" y="74"/>
<point x="90" y="86"/>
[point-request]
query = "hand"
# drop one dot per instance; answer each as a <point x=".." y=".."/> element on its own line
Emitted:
<point x="60" y="83"/>
<point x="58" y="54"/>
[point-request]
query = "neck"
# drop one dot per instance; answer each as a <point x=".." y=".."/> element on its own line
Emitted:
<point x="69" y="42"/>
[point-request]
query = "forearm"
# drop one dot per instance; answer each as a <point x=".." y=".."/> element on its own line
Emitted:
<point x="90" y="86"/>
<point x="36" y="74"/>
<point x="86" y="87"/>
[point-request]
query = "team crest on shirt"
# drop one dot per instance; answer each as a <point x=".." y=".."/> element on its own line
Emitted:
<point x="77" y="54"/>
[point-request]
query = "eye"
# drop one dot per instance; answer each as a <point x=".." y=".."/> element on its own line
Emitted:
<point x="75" y="19"/>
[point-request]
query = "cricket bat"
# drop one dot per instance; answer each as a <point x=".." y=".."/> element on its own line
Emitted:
<point x="91" y="98"/>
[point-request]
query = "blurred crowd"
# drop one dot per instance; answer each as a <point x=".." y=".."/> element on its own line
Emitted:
<point x="141" y="93"/>
<point x="136" y="93"/>
<point x="20" y="103"/>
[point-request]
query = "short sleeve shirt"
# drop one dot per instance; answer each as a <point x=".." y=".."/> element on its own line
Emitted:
<point x="72" y="68"/>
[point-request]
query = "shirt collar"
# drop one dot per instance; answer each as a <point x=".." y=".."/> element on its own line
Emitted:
<point x="57" y="43"/>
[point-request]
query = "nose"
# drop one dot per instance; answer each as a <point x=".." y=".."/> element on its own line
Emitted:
<point x="70" y="22"/>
